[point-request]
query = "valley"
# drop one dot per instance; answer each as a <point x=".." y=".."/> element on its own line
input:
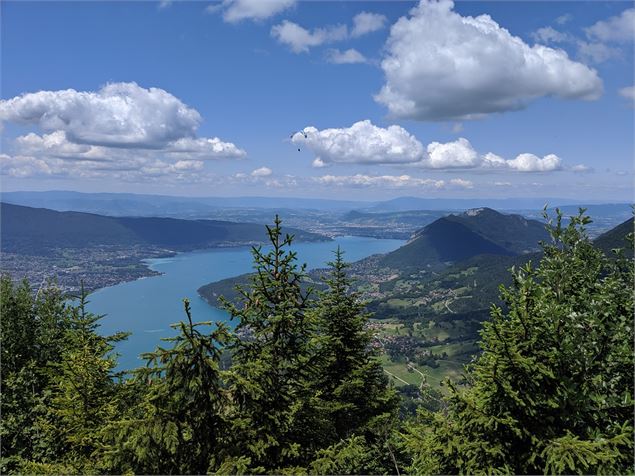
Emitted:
<point x="74" y="247"/>
<point x="428" y="296"/>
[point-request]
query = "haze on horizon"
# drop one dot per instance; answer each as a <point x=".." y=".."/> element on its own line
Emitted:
<point x="341" y="100"/>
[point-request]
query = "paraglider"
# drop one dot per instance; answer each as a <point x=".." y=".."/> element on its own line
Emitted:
<point x="299" y="132"/>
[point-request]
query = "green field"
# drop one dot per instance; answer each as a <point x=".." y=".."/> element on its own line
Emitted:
<point x="446" y="369"/>
<point x="398" y="373"/>
<point x="459" y="349"/>
<point x="400" y="370"/>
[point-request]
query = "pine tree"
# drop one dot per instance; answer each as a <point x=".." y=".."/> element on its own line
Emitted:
<point x="56" y="378"/>
<point x="351" y="377"/>
<point x="83" y="392"/>
<point x="552" y="391"/>
<point x="178" y="424"/>
<point x="31" y="337"/>
<point x="272" y="358"/>
<point x="348" y="421"/>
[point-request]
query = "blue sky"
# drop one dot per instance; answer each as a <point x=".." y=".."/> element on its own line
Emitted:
<point x="428" y="99"/>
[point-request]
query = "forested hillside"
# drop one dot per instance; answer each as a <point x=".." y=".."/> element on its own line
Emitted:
<point x="297" y="387"/>
<point x="616" y="238"/>
<point x="428" y="316"/>
<point x="39" y="231"/>
<point x="461" y="236"/>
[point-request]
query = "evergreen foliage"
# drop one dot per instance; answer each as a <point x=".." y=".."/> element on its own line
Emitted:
<point x="351" y="381"/>
<point x="177" y="427"/>
<point x="297" y="387"/>
<point x="57" y="381"/>
<point x="83" y="390"/>
<point x="552" y="391"/>
<point x="272" y="359"/>
<point x="31" y="336"/>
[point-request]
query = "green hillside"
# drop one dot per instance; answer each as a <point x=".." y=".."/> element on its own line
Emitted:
<point x="38" y="230"/>
<point x="425" y="315"/>
<point x="513" y="232"/>
<point x="442" y="241"/>
<point x="616" y="238"/>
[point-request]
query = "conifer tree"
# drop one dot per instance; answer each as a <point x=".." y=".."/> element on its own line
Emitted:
<point x="178" y="424"/>
<point x="552" y="392"/>
<point x="31" y="336"/>
<point x="83" y="391"/>
<point x="347" y="423"/>
<point x="57" y="381"/>
<point x="351" y="378"/>
<point x="272" y="358"/>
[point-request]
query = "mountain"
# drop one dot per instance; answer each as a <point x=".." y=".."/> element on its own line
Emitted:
<point x="458" y="237"/>
<point x="477" y="278"/>
<point x="616" y="238"/>
<point x="39" y="230"/>
<point x="515" y="233"/>
<point x="130" y="204"/>
<point x="458" y="295"/>
<point x="415" y="203"/>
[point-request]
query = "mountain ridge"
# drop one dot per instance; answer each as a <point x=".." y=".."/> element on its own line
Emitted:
<point x="126" y="204"/>
<point x="37" y="230"/>
<point x="458" y="237"/>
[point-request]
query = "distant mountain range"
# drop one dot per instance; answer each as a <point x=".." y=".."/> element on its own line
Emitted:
<point x="38" y="231"/>
<point x="128" y="204"/>
<point x="415" y="203"/>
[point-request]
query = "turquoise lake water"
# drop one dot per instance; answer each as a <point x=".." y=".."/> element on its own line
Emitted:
<point x="148" y="306"/>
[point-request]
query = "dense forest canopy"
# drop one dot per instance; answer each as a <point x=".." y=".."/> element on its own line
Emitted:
<point x="297" y="387"/>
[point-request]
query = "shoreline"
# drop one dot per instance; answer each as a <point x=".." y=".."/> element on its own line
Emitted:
<point x="145" y="262"/>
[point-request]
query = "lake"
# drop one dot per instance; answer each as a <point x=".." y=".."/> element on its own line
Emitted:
<point x="148" y="306"/>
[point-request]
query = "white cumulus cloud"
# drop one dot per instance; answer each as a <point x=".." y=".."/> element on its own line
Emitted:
<point x="548" y="34"/>
<point x="533" y="163"/>
<point x="440" y="66"/>
<point x="183" y="165"/>
<point x="581" y="168"/>
<point x="204" y="148"/>
<point x="350" y="56"/>
<point x="299" y="39"/>
<point x="134" y="170"/>
<point x="363" y="142"/>
<point x="261" y="172"/>
<point x="120" y="127"/>
<point x="118" y="114"/>
<point x="629" y="93"/>
<point x="21" y="166"/>
<point x="366" y="22"/>
<point x="234" y="11"/>
<point x="462" y="183"/>
<point x="459" y="153"/>
<point x="389" y="181"/>
<point x="619" y="28"/>
<point x="602" y="39"/>
<point x="55" y="144"/>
